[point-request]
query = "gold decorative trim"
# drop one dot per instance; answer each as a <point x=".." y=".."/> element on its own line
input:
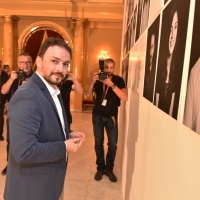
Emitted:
<point x="28" y="31"/>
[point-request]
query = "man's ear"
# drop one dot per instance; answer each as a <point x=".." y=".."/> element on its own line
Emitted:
<point x="39" y="61"/>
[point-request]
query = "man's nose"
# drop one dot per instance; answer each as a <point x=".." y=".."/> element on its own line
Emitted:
<point x="60" y="67"/>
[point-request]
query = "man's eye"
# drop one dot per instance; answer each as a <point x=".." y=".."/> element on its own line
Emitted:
<point x="54" y="61"/>
<point x="66" y="64"/>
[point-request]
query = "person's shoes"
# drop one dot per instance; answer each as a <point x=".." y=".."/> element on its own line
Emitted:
<point x="110" y="175"/>
<point x="4" y="171"/>
<point x="1" y="138"/>
<point x="98" y="175"/>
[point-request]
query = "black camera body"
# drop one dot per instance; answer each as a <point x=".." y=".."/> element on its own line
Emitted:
<point x="102" y="74"/>
<point x="21" y="74"/>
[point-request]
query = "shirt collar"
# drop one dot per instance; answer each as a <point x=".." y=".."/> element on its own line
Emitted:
<point x="49" y="87"/>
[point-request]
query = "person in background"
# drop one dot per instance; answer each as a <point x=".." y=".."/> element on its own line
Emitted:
<point x="6" y="68"/>
<point x="40" y="139"/>
<point x="14" y="82"/>
<point x="107" y="94"/>
<point x="70" y="83"/>
<point x="3" y="99"/>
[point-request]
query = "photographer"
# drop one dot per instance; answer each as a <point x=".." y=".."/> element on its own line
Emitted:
<point x="107" y="93"/>
<point x="67" y="85"/>
<point x="3" y="99"/>
<point x="16" y="79"/>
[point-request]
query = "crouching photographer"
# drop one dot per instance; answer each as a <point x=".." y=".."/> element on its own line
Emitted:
<point x="108" y="89"/>
<point x="16" y="79"/>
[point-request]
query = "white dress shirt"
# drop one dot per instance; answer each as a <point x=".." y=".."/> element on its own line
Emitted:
<point x="54" y="93"/>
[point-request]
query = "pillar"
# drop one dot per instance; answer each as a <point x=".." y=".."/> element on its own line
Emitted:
<point x="7" y="50"/>
<point x="77" y="61"/>
<point x="15" y="42"/>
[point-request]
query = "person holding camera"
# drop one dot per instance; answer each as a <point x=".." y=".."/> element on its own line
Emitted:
<point x="3" y="99"/>
<point x="67" y="85"/>
<point x="108" y="89"/>
<point x="17" y="78"/>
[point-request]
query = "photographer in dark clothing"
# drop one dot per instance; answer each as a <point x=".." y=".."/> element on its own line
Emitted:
<point x="3" y="98"/>
<point x="16" y="79"/>
<point x="70" y="83"/>
<point x="107" y="94"/>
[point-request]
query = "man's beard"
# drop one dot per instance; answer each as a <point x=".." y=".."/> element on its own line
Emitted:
<point x="52" y="82"/>
<point x="109" y="74"/>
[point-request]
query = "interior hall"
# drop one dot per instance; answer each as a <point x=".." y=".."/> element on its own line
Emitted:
<point x="155" y="45"/>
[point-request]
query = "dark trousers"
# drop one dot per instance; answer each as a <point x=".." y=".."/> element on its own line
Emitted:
<point x="1" y="118"/>
<point x="7" y="139"/>
<point x="111" y="127"/>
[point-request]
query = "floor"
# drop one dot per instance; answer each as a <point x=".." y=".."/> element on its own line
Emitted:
<point x="79" y="182"/>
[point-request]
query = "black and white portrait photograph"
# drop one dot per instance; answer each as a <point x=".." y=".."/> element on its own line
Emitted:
<point x="139" y="14"/>
<point x="192" y="104"/>
<point x="142" y="17"/>
<point x="133" y="25"/>
<point x="151" y="58"/>
<point x="145" y="15"/>
<point x="125" y="66"/>
<point x="171" y="56"/>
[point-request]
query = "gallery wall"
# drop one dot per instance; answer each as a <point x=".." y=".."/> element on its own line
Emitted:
<point x="161" y="156"/>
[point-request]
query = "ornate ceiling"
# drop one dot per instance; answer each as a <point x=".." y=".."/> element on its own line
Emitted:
<point x="94" y="10"/>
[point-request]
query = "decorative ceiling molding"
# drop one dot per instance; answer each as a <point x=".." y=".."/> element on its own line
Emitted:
<point x="68" y="9"/>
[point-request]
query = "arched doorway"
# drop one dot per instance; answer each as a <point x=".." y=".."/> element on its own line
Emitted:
<point x="33" y="36"/>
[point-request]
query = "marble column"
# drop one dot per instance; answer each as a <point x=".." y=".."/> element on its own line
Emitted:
<point x="77" y="61"/>
<point x="15" y="42"/>
<point x="7" y="50"/>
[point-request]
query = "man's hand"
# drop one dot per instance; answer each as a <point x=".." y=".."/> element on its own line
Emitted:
<point x="76" y="134"/>
<point x="13" y="75"/>
<point x="70" y="76"/>
<point x="95" y="77"/>
<point x="75" y="141"/>
<point x="108" y="82"/>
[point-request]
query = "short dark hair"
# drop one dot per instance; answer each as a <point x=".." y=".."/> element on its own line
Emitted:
<point x="109" y="60"/>
<point x="25" y="54"/>
<point x="6" y="66"/>
<point x="50" y="42"/>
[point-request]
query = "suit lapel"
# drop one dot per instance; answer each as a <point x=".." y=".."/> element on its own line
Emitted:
<point x="64" y="116"/>
<point x="46" y="93"/>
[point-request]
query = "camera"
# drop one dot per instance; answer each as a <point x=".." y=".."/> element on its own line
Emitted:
<point x="21" y="74"/>
<point x="102" y="74"/>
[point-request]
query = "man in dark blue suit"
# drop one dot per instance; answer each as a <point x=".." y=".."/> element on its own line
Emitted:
<point x="39" y="134"/>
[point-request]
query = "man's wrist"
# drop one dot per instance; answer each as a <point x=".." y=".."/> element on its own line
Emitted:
<point x="92" y="82"/>
<point x="74" y="80"/>
<point x="113" y="86"/>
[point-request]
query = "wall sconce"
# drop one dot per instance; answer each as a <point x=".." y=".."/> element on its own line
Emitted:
<point x="103" y="55"/>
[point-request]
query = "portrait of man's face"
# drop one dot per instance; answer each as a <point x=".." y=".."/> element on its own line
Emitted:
<point x="152" y="48"/>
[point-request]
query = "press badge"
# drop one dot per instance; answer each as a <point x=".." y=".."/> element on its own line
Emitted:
<point x="104" y="102"/>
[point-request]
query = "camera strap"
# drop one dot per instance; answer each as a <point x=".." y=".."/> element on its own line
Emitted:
<point x="105" y="91"/>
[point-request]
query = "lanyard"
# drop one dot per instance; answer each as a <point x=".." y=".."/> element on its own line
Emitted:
<point x="105" y="92"/>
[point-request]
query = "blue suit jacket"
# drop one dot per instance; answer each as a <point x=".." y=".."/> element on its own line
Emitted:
<point x="37" y="158"/>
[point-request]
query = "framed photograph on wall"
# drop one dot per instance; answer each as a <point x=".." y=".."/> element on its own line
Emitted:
<point x="125" y="66"/>
<point x="192" y="103"/>
<point x="151" y="60"/>
<point x="171" y="56"/>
